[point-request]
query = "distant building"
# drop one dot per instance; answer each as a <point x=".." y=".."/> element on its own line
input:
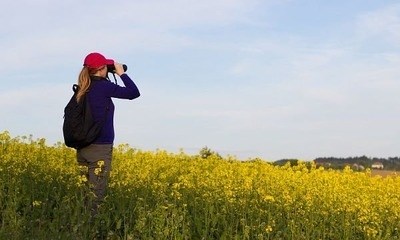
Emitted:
<point x="377" y="165"/>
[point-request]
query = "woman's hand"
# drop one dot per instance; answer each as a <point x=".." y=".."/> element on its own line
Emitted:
<point x="119" y="69"/>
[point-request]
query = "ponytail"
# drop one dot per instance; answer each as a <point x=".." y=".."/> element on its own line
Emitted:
<point x="83" y="83"/>
<point x="84" y="80"/>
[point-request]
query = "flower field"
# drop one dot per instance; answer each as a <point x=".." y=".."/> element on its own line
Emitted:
<point x="162" y="195"/>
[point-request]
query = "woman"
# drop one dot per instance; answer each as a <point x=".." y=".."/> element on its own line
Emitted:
<point x="93" y="81"/>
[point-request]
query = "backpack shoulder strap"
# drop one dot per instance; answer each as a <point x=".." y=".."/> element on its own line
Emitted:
<point x="75" y="88"/>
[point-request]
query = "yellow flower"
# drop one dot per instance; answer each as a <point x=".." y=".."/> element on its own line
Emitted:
<point x="82" y="179"/>
<point x="269" y="198"/>
<point x="37" y="203"/>
<point x="97" y="171"/>
<point x="83" y="169"/>
<point x="100" y="163"/>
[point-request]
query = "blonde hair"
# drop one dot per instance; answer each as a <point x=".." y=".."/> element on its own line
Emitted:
<point x="84" y="81"/>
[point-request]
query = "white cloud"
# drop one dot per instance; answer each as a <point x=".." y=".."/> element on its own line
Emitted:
<point x="382" y="23"/>
<point x="152" y="26"/>
<point x="183" y="13"/>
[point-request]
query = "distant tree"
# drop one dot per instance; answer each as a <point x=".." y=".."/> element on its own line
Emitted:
<point x="206" y="152"/>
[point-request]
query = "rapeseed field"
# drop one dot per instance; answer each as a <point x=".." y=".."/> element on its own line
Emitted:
<point x="162" y="195"/>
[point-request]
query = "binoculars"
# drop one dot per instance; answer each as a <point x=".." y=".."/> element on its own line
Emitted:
<point x="111" y="68"/>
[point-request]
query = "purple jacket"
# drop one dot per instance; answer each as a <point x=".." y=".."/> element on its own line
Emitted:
<point x="100" y="93"/>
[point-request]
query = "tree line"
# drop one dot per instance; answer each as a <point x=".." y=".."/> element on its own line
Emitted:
<point x="359" y="162"/>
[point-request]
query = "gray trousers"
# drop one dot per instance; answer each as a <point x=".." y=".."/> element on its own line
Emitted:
<point x="96" y="160"/>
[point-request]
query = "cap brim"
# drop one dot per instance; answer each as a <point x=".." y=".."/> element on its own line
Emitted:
<point x="109" y="62"/>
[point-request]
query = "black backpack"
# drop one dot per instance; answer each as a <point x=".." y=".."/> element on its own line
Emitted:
<point x="79" y="128"/>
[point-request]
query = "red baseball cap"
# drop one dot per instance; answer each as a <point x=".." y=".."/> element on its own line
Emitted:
<point x="96" y="60"/>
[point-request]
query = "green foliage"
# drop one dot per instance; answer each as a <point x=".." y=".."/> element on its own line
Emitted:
<point x="206" y="152"/>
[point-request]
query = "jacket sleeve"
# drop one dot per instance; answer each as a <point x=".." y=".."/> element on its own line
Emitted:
<point x="130" y="91"/>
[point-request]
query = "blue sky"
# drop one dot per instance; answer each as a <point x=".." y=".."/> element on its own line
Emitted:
<point x="269" y="79"/>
